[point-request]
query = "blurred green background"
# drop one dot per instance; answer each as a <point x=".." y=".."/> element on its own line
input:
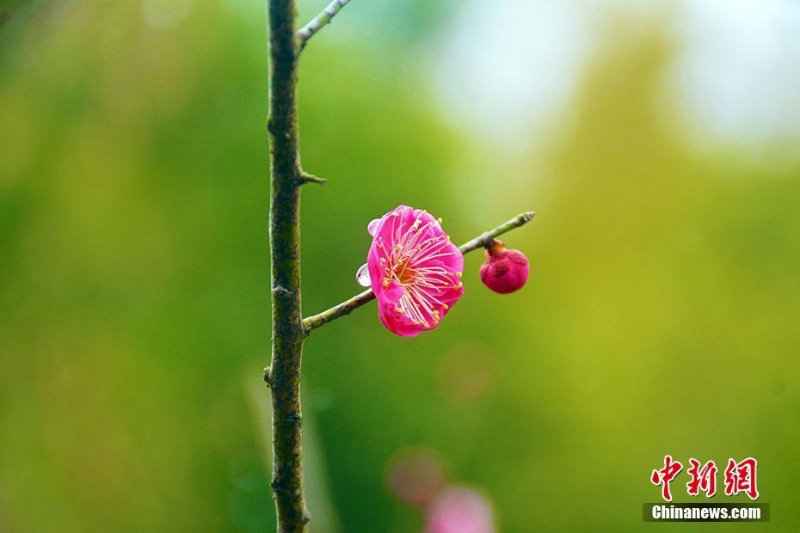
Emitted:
<point x="661" y="316"/>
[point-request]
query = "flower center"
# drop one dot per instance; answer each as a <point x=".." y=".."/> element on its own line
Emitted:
<point x="404" y="274"/>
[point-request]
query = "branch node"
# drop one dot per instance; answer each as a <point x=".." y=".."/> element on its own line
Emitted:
<point x="486" y="239"/>
<point x="279" y="290"/>
<point x="267" y="377"/>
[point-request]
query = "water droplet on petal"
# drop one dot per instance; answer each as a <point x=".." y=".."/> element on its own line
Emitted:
<point x="362" y="276"/>
<point x="372" y="227"/>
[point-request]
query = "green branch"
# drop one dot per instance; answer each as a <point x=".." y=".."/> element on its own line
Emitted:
<point x="324" y="17"/>
<point x="283" y="376"/>
<point x="348" y="306"/>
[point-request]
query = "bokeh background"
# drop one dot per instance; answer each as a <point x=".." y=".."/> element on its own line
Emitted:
<point x="658" y="142"/>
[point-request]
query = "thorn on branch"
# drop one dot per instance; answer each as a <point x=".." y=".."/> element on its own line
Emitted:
<point x="267" y="377"/>
<point x="304" y="177"/>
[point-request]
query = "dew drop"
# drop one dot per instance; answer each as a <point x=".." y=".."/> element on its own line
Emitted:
<point x="362" y="276"/>
<point x="372" y="227"/>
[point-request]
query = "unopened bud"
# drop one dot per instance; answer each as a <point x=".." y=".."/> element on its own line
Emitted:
<point x="505" y="270"/>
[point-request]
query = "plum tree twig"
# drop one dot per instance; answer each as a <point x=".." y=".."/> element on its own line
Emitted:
<point x="348" y="306"/>
<point x="317" y="23"/>
<point x="286" y="178"/>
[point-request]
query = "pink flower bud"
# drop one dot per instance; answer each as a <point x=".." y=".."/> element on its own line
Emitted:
<point x="505" y="270"/>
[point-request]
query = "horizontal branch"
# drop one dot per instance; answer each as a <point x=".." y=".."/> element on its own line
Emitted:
<point x="348" y="306"/>
<point x="324" y="17"/>
<point x="344" y="308"/>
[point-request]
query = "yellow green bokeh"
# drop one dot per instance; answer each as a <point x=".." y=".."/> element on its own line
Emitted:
<point x="661" y="316"/>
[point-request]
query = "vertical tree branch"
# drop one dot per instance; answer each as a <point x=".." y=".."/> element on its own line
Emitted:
<point x="288" y="334"/>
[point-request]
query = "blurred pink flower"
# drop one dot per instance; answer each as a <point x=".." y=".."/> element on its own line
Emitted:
<point x="415" y="475"/>
<point x="460" y="510"/>
<point x="505" y="270"/>
<point x="414" y="270"/>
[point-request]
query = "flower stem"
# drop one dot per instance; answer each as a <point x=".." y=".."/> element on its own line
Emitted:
<point x="348" y="306"/>
<point x="485" y="239"/>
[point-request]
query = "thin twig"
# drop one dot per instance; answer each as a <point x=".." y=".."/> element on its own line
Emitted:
<point x="340" y="310"/>
<point x="348" y="306"/>
<point x="324" y="17"/>
<point x="485" y="239"/>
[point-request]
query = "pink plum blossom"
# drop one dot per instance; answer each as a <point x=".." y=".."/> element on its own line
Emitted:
<point x="413" y="269"/>
<point x="505" y="270"/>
